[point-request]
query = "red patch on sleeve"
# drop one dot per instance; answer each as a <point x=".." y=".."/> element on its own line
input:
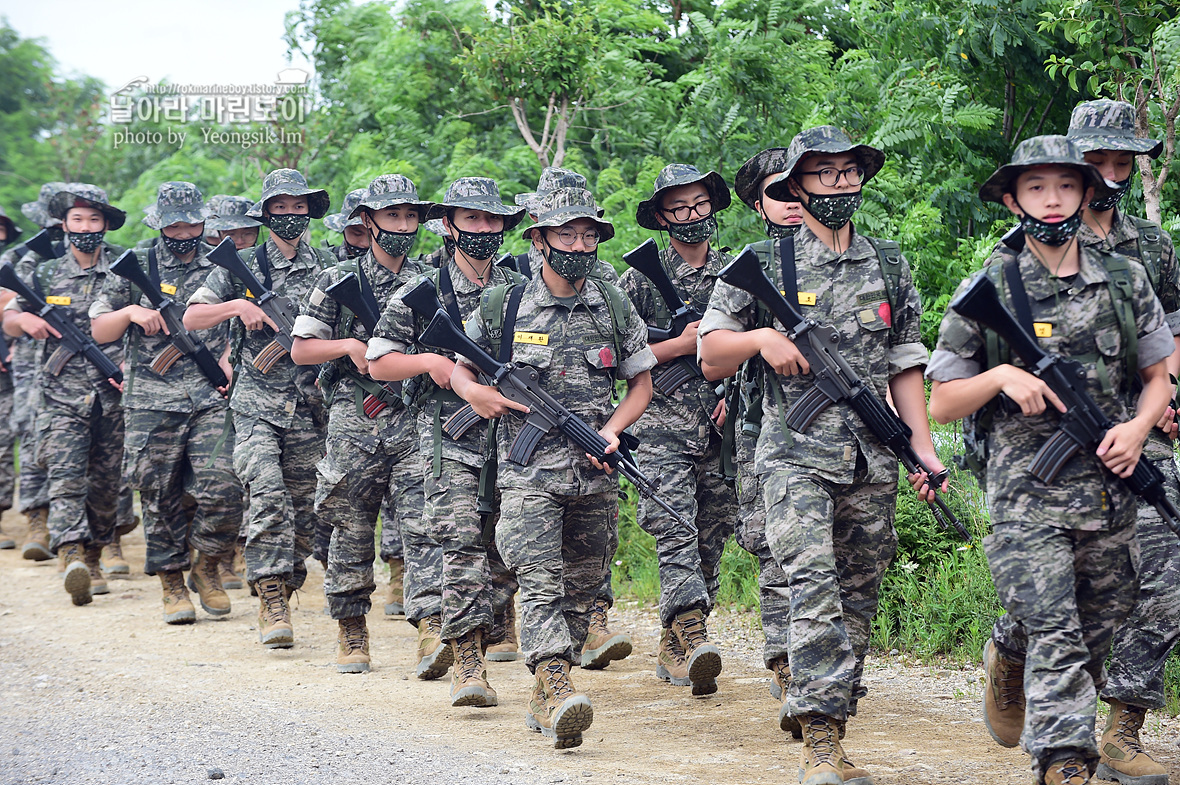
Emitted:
<point x="886" y="313"/>
<point x="607" y="356"/>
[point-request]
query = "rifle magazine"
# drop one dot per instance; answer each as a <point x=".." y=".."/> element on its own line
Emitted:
<point x="166" y="359"/>
<point x="57" y="361"/>
<point x="672" y="378"/>
<point x="271" y="354"/>
<point x="459" y="422"/>
<point x="523" y="445"/>
<point x="806" y="408"/>
<point x="1053" y="455"/>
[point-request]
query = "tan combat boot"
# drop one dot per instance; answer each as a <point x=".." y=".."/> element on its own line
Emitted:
<point x="823" y="758"/>
<point x="76" y="579"/>
<point x="6" y="542"/>
<point x="603" y="646"/>
<point x="274" y="615"/>
<point x="91" y="556"/>
<point x="507" y="650"/>
<point x="37" y="545"/>
<point x="205" y="579"/>
<point x="704" y="658"/>
<point x="231" y="574"/>
<point x="113" y="562"/>
<point x="469" y="679"/>
<point x="1122" y="756"/>
<point x="780" y="680"/>
<point x="123" y="529"/>
<point x="1067" y="771"/>
<point x="1003" y="696"/>
<point x="671" y="666"/>
<point x="555" y="709"/>
<point x="395" y="597"/>
<point x="352" y="646"/>
<point x="434" y="656"/>
<point x="178" y="608"/>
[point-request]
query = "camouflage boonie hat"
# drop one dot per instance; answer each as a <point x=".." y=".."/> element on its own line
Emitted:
<point x="389" y="190"/>
<point x="229" y="213"/>
<point x="1108" y="125"/>
<point x="563" y="205"/>
<point x="823" y="139"/>
<point x="772" y="160"/>
<point x="338" y="221"/>
<point x="552" y="178"/>
<point x="435" y="226"/>
<point x="674" y="176"/>
<point x="14" y="231"/>
<point x="477" y="193"/>
<point x="176" y="202"/>
<point x="290" y="182"/>
<point x="38" y="211"/>
<point x="86" y="195"/>
<point x="1049" y="150"/>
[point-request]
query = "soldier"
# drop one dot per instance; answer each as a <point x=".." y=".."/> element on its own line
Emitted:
<point x="80" y="419"/>
<point x="1062" y="555"/>
<point x="228" y="219"/>
<point x="830" y="493"/>
<point x="175" y="419"/>
<point x="356" y="237"/>
<point x="557" y="512"/>
<point x="454" y="630"/>
<point x="9" y="232"/>
<point x="277" y="416"/>
<point x="681" y="430"/>
<point x="369" y="457"/>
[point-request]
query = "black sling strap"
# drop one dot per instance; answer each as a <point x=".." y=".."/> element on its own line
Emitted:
<point x="509" y="329"/>
<point x="446" y="288"/>
<point x="786" y="255"/>
<point x="1019" y="295"/>
<point x="263" y="267"/>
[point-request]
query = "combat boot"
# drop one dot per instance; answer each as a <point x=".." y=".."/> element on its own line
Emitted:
<point x="6" y="542"/>
<point x="178" y="608"/>
<point x="91" y="556"/>
<point x="671" y="666"/>
<point x="434" y="656"/>
<point x="229" y="578"/>
<point x="76" y="579"/>
<point x="37" y="545"/>
<point x="780" y="681"/>
<point x="704" y="658"/>
<point x="113" y="562"/>
<point x="507" y="650"/>
<point x="1122" y="757"/>
<point x="395" y="598"/>
<point x="823" y="758"/>
<point x="555" y="709"/>
<point x="1003" y="696"/>
<point x="1067" y="771"/>
<point x="469" y="679"/>
<point x="123" y="529"/>
<point x="274" y="614"/>
<point x="603" y="646"/>
<point x="205" y="579"/>
<point x="352" y="646"/>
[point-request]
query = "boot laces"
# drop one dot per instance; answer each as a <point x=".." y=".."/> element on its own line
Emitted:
<point x="116" y="549"/>
<point x="783" y="671"/>
<point x="272" y="594"/>
<point x="1010" y="679"/>
<point x="1130" y="722"/>
<point x="557" y="680"/>
<point x="211" y="572"/>
<point x="675" y="646"/>
<point x="175" y="585"/>
<point x="821" y="732"/>
<point x="470" y="662"/>
<point x="694" y="631"/>
<point x="598" y="617"/>
<point x="434" y="625"/>
<point x="353" y="631"/>
<point x="1073" y="771"/>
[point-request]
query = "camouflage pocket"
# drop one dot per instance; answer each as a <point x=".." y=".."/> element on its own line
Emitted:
<point x="331" y="473"/>
<point x="1109" y="342"/>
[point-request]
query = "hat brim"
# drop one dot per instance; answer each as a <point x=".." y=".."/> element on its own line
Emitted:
<point x="512" y="215"/>
<point x="869" y="158"/>
<point x="391" y="200"/>
<point x="563" y="216"/>
<point x="753" y="172"/>
<point x="1001" y="180"/>
<point x="337" y="222"/>
<point x="158" y="220"/>
<point x="231" y="222"/>
<point x="1132" y="144"/>
<point x="63" y="201"/>
<point x="38" y="213"/>
<point x="318" y="200"/>
<point x="645" y="212"/>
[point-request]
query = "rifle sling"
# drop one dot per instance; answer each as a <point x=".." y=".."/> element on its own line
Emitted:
<point x="786" y="256"/>
<point x="264" y="267"/>
<point x="446" y="288"/>
<point x="1019" y="295"/>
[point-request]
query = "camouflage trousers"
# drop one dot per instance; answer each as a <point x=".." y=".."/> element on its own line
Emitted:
<point x="82" y="455"/>
<point x="391" y="529"/>
<point x="1065" y="593"/>
<point x="166" y="457"/>
<point x="277" y="469"/>
<point x="558" y="547"/>
<point x="354" y="486"/>
<point x="34" y="488"/>
<point x="834" y="543"/>
<point x="774" y="598"/>
<point x="1143" y="642"/>
<point x="8" y="436"/>
<point x="690" y="480"/>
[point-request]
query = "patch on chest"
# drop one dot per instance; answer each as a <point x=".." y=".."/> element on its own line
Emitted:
<point x="167" y="288"/>
<point x="536" y="339"/>
<point x="1043" y="329"/>
<point x="54" y="299"/>
<point x="807" y="298"/>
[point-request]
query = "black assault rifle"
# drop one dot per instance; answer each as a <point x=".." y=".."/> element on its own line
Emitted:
<point x="646" y="259"/>
<point x="183" y="342"/>
<point x="280" y="308"/>
<point x="835" y="381"/>
<point x="350" y="294"/>
<point x="73" y="340"/>
<point x="519" y="383"/>
<point x="47" y="243"/>
<point x="1084" y="424"/>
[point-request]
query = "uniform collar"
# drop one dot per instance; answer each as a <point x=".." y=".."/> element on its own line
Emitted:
<point x="810" y="247"/>
<point x="537" y="291"/>
<point x="681" y="269"/>
<point x="1121" y="230"/>
<point x="1040" y="284"/>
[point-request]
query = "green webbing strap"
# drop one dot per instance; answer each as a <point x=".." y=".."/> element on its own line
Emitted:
<point x="436" y="459"/>
<point x="729" y="432"/>
<point x="488" y="475"/>
<point x="1121" y="297"/>
<point x="788" y="439"/>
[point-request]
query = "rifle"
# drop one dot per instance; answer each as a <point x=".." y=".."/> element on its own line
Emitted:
<point x="517" y="264"/>
<point x="835" y="381"/>
<point x="280" y="308"/>
<point x="183" y="343"/>
<point x="47" y="243"/>
<point x="1014" y="238"/>
<point x="350" y="294"/>
<point x="1084" y="424"/>
<point x="73" y="340"/>
<point x="519" y="383"/>
<point x="646" y="259"/>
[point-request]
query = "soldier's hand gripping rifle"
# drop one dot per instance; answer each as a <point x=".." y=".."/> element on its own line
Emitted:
<point x="281" y="309"/>
<point x="73" y="340"/>
<point x="350" y="294"/>
<point x="183" y="342"/>
<point x="646" y="259"/>
<point x="835" y="381"/>
<point x="1084" y="424"/>
<point x="519" y="383"/>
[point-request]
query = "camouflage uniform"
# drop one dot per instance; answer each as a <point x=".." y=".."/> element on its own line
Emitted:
<point x="1063" y="556"/>
<point x="175" y="421"/>
<point x="278" y="417"/>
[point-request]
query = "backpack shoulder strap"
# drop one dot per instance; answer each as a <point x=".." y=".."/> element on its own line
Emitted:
<point x="1151" y="247"/>
<point x="491" y="313"/>
<point x="889" y="257"/>
<point x="1122" y="296"/>
<point x="616" y="303"/>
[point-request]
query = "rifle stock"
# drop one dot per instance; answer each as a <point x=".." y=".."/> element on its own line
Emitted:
<point x="645" y="259"/>
<point x="46" y="243"/>
<point x="281" y="310"/>
<point x="349" y="293"/>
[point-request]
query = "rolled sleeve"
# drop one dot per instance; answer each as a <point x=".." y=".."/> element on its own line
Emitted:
<point x="205" y="296"/>
<point x="715" y="319"/>
<point x="379" y="347"/>
<point x="1173" y="320"/>
<point x="643" y="360"/>
<point x="1155" y="346"/>
<point x="13" y="305"/>
<point x="947" y="366"/>
<point x="310" y="327"/>
<point x="99" y="307"/>
<point x="904" y="356"/>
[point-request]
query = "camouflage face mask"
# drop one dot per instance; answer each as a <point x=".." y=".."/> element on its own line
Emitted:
<point x="86" y="242"/>
<point x="395" y="243"/>
<point x="572" y="265"/>
<point x="779" y="231"/>
<point x="288" y="226"/>
<point x="353" y="251"/>
<point x="694" y="232"/>
<point x="1110" y="202"/>
<point x="180" y="247"/>
<point x="832" y="210"/>
<point x="1051" y="234"/>
<point x="479" y="245"/>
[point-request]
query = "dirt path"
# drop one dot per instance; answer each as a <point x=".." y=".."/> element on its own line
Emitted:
<point x="110" y="694"/>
